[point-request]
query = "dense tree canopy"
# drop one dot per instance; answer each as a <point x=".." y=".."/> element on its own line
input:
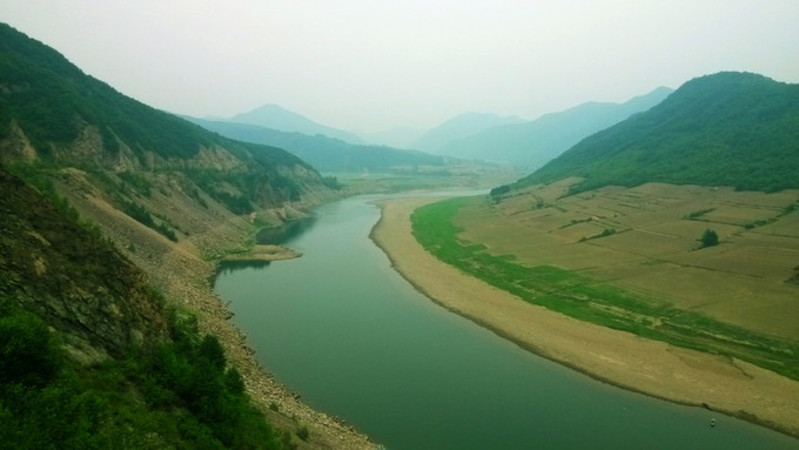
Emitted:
<point x="730" y="129"/>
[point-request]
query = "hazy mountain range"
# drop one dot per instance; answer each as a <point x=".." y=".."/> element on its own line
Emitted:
<point x="324" y="153"/>
<point x="436" y="139"/>
<point x="533" y="143"/>
<point x="279" y="118"/>
<point x="474" y="136"/>
<point x="398" y="137"/>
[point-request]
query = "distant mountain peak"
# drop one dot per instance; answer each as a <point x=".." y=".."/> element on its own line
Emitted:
<point x="533" y="143"/>
<point x="279" y="118"/>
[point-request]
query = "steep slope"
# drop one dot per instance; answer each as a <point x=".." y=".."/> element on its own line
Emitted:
<point x="53" y="114"/>
<point x="91" y="355"/>
<point x="460" y="127"/>
<point x="71" y="277"/>
<point x="279" y="118"/>
<point x="324" y="153"/>
<point x="531" y="144"/>
<point x="733" y="129"/>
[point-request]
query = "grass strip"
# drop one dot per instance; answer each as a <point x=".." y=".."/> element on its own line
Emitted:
<point x="588" y="299"/>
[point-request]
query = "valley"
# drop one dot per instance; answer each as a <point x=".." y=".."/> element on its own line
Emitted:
<point x="655" y="249"/>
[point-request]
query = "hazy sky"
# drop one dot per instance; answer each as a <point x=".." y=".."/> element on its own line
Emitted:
<point x="374" y="64"/>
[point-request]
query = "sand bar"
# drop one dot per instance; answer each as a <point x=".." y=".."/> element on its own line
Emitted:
<point x="620" y="358"/>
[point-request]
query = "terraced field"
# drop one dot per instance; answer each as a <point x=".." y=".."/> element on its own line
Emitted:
<point x="632" y="259"/>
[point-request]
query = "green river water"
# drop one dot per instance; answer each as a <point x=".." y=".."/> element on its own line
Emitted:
<point x="345" y="331"/>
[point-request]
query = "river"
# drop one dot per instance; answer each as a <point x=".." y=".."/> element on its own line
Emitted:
<point x="344" y="330"/>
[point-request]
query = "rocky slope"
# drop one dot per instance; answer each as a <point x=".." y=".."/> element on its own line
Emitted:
<point x="172" y="197"/>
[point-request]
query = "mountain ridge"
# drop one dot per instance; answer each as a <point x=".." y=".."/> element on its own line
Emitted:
<point x="460" y="127"/>
<point x="535" y="142"/>
<point x="278" y="118"/>
<point x="324" y="153"/>
<point x="53" y="114"/>
<point x="730" y="128"/>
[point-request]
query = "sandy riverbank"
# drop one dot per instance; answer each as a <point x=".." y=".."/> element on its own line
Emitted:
<point x="655" y="368"/>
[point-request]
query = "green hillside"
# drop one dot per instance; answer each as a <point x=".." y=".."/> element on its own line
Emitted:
<point x="730" y="129"/>
<point x="54" y="115"/>
<point x="91" y="355"/>
<point x="50" y="98"/>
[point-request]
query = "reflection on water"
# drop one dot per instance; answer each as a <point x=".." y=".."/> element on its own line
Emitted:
<point x="285" y="233"/>
<point x="344" y="330"/>
<point x="228" y="267"/>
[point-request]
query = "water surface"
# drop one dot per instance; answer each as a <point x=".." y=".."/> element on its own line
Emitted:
<point x="340" y="327"/>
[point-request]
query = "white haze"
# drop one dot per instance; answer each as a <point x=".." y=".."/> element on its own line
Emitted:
<point x="374" y="64"/>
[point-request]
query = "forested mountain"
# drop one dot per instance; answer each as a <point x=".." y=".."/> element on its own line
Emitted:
<point x="54" y="115"/>
<point x="324" y="153"/>
<point x="438" y="138"/>
<point x="281" y="119"/>
<point x="532" y="144"/>
<point x="730" y="128"/>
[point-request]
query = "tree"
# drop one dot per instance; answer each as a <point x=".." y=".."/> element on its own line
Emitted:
<point x="709" y="238"/>
<point x="28" y="351"/>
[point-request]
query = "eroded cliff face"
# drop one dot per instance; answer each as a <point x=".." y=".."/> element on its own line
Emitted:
<point x="100" y="302"/>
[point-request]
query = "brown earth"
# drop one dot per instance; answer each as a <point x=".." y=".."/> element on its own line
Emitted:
<point x="623" y="359"/>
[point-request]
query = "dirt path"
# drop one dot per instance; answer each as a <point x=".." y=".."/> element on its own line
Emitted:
<point x="655" y="368"/>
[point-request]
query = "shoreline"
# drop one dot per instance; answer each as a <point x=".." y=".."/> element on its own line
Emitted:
<point x="622" y="359"/>
<point x="263" y="252"/>
<point x="187" y="281"/>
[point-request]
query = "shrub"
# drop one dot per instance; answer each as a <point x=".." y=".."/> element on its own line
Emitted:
<point x="709" y="238"/>
<point x="28" y="352"/>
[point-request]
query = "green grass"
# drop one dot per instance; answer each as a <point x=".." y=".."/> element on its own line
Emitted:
<point x="587" y="299"/>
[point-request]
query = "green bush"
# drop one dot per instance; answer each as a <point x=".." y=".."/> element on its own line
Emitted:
<point x="709" y="238"/>
<point x="191" y="399"/>
<point x="28" y="352"/>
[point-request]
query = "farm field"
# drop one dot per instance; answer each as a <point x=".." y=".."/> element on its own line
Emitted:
<point x="632" y="259"/>
<point x="654" y="246"/>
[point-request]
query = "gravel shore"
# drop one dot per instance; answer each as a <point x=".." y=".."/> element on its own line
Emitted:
<point x="186" y="279"/>
<point x="620" y="358"/>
